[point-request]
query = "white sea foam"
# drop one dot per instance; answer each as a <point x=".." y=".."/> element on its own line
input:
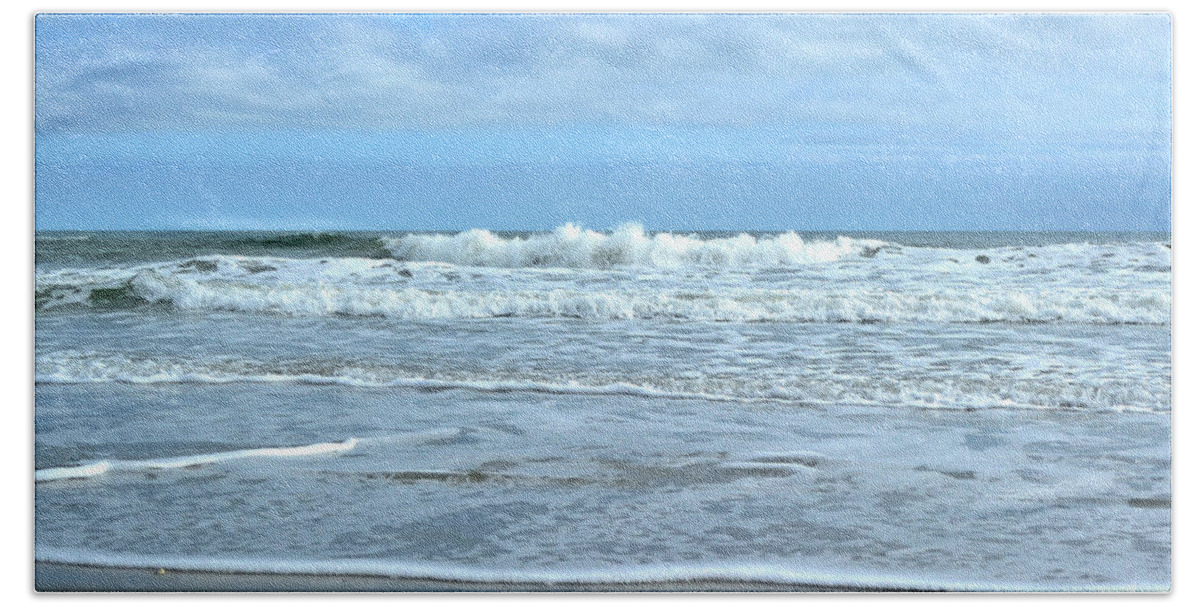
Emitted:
<point x="831" y="304"/>
<point x="1031" y="391"/>
<point x="180" y="462"/>
<point x="683" y="572"/>
<point x="572" y="247"/>
<point x="569" y="246"/>
<point x="83" y="471"/>
<point x="765" y="279"/>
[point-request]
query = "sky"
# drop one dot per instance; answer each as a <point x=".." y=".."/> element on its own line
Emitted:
<point x="686" y="122"/>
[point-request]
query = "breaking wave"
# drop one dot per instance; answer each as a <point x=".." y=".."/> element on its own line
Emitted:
<point x="572" y="247"/>
<point x="745" y="305"/>
<point x="573" y="273"/>
<point x="783" y="385"/>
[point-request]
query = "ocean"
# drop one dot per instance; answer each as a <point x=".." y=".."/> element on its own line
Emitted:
<point x="940" y="410"/>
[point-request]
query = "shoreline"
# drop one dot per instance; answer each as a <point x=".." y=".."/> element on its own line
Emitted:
<point x="57" y="577"/>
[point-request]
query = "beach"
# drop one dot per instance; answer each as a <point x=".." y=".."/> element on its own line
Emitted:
<point x="620" y="411"/>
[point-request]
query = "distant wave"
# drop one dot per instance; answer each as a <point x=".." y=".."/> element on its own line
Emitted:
<point x="830" y="305"/>
<point x="569" y="246"/>
<point x="627" y="275"/>
<point x="1071" y="393"/>
<point x="328" y="243"/>
<point x="630" y="246"/>
<point x="144" y="246"/>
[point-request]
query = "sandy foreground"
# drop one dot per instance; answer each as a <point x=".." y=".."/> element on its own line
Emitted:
<point x="56" y="577"/>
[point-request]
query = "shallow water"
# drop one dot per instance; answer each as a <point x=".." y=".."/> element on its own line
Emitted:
<point x="946" y="411"/>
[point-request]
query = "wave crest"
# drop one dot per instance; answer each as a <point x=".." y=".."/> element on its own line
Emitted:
<point x="569" y="246"/>
<point x="780" y="385"/>
<point x="962" y="305"/>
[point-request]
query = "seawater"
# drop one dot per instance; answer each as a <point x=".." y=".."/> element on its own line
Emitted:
<point x="900" y="410"/>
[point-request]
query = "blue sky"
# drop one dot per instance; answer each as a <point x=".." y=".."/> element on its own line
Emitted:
<point x="678" y="121"/>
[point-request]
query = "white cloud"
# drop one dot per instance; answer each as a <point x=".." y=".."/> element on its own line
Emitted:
<point x="385" y="72"/>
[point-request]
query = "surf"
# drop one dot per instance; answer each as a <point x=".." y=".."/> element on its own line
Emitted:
<point x="779" y="385"/>
<point x="96" y="469"/>
<point x="570" y="246"/>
